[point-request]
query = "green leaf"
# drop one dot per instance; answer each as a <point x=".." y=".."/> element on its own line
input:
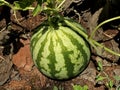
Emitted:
<point x="85" y="87"/>
<point x="110" y="84"/>
<point x="99" y="78"/>
<point x="37" y="10"/>
<point x="100" y="66"/>
<point x="117" y="78"/>
<point x="23" y="4"/>
<point x="55" y="88"/>
<point x="77" y="87"/>
<point x="2" y="3"/>
<point x="39" y="7"/>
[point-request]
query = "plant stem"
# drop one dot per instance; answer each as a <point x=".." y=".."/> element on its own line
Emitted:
<point x="77" y="29"/>
<point x="8" y="4"/>
<point x="102" y="46"/>
<point x="61" y="4"/>
<point x="102" y="23"/>
<point x="92" y="42"/>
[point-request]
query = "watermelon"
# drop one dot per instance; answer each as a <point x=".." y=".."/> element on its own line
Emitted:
<point x="58" y="51"/>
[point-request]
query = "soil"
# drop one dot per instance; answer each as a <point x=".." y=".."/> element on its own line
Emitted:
<point x="17" y="70"/>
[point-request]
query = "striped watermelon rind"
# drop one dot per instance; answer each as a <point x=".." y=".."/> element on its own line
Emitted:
<point x="59" y="52"/>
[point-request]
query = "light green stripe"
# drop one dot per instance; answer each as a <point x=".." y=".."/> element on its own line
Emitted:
<point x="35" y="37"/>
<point x="37" y="32"/>
<point x="38" y="45"/>
<point x="60" y="65"/>
<point x="51" y="56"/>
<point x="42" y="60"/>
<point x="48" y="57"/>
<point x="81" y="57"/>
<point x="66" y="51"/>
<point x="78" y="38"/>
<point x="66" y="40"/>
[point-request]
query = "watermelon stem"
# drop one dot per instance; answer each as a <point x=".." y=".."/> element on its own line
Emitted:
<point x="98" y="44"/>
<point x="77" y="29"/>
<point x="91" y="41"/>
<point x="49" y="22"/>
<point x="95" y="44"/>
<point x="102" y="23"/>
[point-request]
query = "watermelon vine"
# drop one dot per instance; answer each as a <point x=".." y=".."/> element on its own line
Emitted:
<point x="60" y="46"/>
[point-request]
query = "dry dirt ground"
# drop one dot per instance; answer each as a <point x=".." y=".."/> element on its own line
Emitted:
<point x="17" y="71"/>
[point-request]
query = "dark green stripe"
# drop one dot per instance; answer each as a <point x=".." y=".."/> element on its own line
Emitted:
<point x="79" y="47"/>
<point x="36" y="38"/>
<point x="52" y="58"/>
<point x="68" y="65"/>
<point x="40" y="53"/>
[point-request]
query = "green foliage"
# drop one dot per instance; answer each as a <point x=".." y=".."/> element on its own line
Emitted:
<point x="110" y="84"/>
<point x="99" y="78"/>
<point x="23" y="4"/>
<point x="117" y="78"/>
<point x="2" y="3"/>
<point x="75" y="87"/>
<point x="100" y="66"/>
<point x="78" y="87"/>
<point x="27" y="5"/>
<point x="18" y="5"/>
<point x="39" y="7"/>
<point x="55" y="88"/>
